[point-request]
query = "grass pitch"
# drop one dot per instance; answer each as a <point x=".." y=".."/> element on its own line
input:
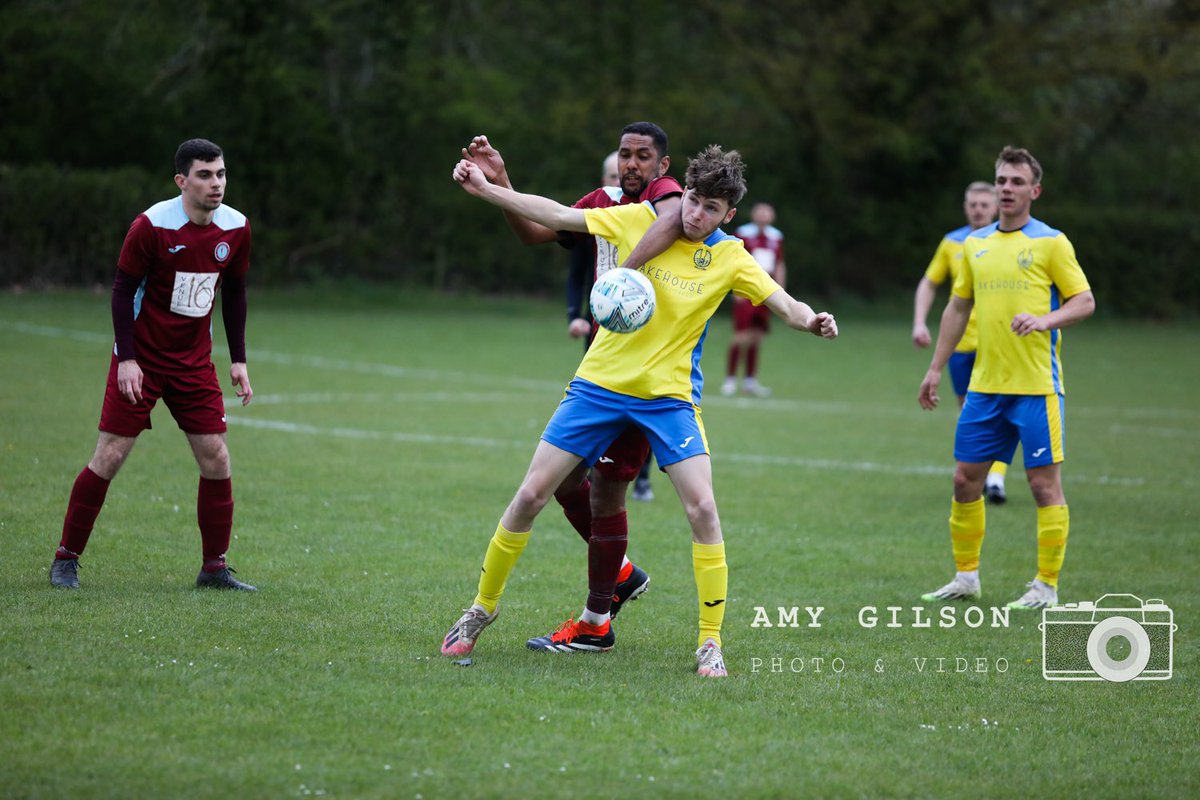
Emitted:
<point x="386" y="436"/>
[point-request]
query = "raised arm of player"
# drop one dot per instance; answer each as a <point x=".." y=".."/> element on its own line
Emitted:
<point x="922" y="302"/>
<point x="954" y="322"/>
<point x="800" y="315"/>
<point x="542" y="210"/>
<point x="481" y="152"/>
<point x="661" y="234"/>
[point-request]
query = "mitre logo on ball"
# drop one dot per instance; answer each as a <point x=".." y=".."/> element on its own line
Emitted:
<point x="622" y="300"/>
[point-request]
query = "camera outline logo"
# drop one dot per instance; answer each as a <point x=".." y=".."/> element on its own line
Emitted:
<point x="1076" y="636"/>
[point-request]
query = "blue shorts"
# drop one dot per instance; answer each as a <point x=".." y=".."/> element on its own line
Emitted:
<point x="589" y="418"/>
<point x="990" y="425"/>
<point x="960" y="366"/>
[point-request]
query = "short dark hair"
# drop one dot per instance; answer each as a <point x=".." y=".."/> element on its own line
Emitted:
<point x="717" y="174"/>
<point x="656" y="134"/>
<point x="1019" y="155"/>
<point x="195" y="150"/>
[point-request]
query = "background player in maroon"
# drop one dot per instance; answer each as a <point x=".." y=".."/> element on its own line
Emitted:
<point x="750" y="322"/>
<point x="595" y="505"/>
<point x="177" y="255"/>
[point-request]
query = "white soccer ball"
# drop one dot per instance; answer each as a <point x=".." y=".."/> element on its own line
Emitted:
<point x="622" y="300"/>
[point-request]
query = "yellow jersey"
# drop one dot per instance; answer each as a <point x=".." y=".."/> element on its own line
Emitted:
<point x="947" y="260"/>
<point x="1031" y="270"/>
<point x="662" y="359"/>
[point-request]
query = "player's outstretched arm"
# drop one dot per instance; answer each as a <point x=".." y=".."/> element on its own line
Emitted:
<point x="1075" y="308"/>
<point x="954" y="323"/>
<point x="539" y="209"/>
<point x="800" y="316"/>
<point x="661" y="234"/>
<point x="922" y="302"/>
<point x="481" y="152"/>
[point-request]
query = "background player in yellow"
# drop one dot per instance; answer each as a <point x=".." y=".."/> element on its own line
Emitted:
<point x="1022" y="278"/>
<point x="650" y="378"/>
<point x="979" y="204"/>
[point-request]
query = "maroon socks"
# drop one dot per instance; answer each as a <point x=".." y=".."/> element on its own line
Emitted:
<point x="214" y="513"/>
<point x="87" y="498"/>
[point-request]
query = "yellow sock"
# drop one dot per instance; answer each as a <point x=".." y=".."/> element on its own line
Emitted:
<point x="1053" y="522"/>
<point x="966" y="533"/>
<point x="999" y="468"/>
<point x="503" y="551"/>
<point x="712" y="585"/>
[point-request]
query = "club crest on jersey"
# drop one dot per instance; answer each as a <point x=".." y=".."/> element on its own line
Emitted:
<point x="1025" y="258"/>
<point x="222" y="251"/>
<point x="702" y="258"/>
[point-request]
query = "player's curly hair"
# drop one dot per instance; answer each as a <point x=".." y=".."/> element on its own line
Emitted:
<point x="717" y="174"/>
<point x="1019" y="155"/>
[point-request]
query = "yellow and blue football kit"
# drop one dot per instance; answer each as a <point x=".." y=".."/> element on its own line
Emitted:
<point x="1006" y="273"/>
<point x="1017" y="385"/>
<point x="651" y="377"/>
<point x="946" y="264"/>
<point x="1016" y="391"/>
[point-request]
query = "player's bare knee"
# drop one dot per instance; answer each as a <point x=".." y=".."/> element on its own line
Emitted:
<point x="608" y="497"/>
<point x="111" y="452"/>
<point x="967" y="487"/>
<point x="607" y="506"/>
<point x="1046" y="492"/>
<point x="212" y="455"/>
<point x="530" y="500"/>
<point x="702" y="513"/>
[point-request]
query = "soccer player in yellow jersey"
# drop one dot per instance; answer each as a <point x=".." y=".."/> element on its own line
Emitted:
<point x="1025" y="285"/>
<point x="650" y="378"/>
<point x="979" y="204"/>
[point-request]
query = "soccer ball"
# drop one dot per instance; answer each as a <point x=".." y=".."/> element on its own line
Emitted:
<point x="622" y="300"/>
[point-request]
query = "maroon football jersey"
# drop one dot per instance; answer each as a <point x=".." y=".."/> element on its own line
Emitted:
<point x="180" y="264"/>
<point x="765" y="244"/>
<point x="608" y="196"/>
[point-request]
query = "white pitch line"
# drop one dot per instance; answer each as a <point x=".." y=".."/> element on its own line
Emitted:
<point x="394" y="371"/>
<point x="1143" y="430"/>
<point x="382" y="436"/>
<point x="769" y="404"/>
<point x="337" y="398"/>
<point x="58" y="333"/>
<point x="528" y="444"/>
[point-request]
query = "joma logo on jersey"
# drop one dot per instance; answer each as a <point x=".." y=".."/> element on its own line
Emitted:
<point x="1025" y="258"/>
<point x="702" y="258"/>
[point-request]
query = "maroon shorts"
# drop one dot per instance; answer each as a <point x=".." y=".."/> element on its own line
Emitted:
<point x="193" y="398"/>
<point x="746" y="316"/>
<point x="624" y="457"/>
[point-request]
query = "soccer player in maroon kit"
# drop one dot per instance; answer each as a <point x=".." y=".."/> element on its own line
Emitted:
<point x="595" y="506"/>
<point x="177" y="255"/>
<point x="750" y="322"/>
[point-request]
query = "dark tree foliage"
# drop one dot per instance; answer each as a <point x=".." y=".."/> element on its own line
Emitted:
<point x="861" y="120"/>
